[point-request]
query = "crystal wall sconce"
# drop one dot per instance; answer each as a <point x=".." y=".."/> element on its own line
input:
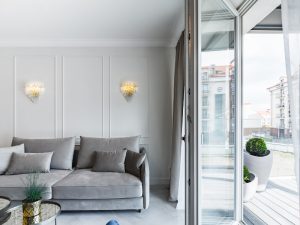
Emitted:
<point x="34" y="90"/>
<point x="128" y="88"/>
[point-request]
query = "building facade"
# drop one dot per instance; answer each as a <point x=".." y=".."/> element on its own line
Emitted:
<point x="216" y="105"/>
<point x="280" y="110"/>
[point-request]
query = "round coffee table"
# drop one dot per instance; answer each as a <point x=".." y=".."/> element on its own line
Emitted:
<point x="49" y="212"/>
<point x="4" y="205"/>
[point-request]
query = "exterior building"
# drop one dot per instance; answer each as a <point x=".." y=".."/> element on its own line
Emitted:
<point x="255" y="122"/>
<point x="216" y="82"/>
<point x="280" y="110"/>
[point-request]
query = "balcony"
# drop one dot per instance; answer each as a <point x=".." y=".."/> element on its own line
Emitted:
<point x="277" y="205"/>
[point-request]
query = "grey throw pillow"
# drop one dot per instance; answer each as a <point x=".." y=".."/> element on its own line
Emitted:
<point x="133" y="162"/>
<point x="88" y="147"/>
<point x="6" y="154"/>
<point x="110" y="161"/>
<point x="22" y="163"/>
<point x="62" y="148"/>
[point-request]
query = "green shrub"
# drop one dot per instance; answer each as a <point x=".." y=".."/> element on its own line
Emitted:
<point x="257" y="147"/>
<point x="34" y="191"/>
<point x="247" y="175"/>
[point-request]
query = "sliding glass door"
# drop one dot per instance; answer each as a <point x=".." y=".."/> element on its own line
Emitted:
<point x="217" y="112"/>
<point x="213" y="125"/>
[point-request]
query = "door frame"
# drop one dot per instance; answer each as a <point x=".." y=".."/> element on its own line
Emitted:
<point x="193" y="165"/>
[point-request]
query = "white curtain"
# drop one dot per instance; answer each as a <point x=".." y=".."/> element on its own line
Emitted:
<point x="291" y="30"/>
<point x="177" y="120"/>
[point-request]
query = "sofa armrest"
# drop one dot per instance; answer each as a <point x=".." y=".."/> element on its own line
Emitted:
<point x="145" y="178"/>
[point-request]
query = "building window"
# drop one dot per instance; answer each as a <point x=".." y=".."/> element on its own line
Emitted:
<point x="205" y="76"/>
<point x="219" y="119"/>
<point x="219" y="106"/>
<point x="205" y="126"/>
<point x="204" y="114"/>
<point x="205" y="101"/>
<point x="205" y="87"/>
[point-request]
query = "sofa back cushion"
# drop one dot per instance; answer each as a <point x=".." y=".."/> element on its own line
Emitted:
<point x="89" y="146"/>
<point x="24" y="163"/>
<point x="62" y="148"/>
<point x="6" y="154"/>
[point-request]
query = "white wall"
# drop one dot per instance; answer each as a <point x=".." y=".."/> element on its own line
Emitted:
<point x="82" y="96"/>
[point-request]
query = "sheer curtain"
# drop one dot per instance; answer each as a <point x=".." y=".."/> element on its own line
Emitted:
<point x="177" y="120"/>
<point x="291" y="30"/>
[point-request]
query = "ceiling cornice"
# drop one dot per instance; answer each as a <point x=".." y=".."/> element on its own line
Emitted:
<point x="88" y="42"/>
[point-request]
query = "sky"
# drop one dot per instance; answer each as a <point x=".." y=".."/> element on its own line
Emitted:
<point x="264" y="64"/>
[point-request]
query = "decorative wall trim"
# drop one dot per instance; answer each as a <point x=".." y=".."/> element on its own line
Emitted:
<point x="55" y="96"/>
<point x="63" y="96"/>
<point x="56" y="65"/>
<point x="102" y="80"/>
<point x="109" y="96"/>
<point x="101" y="60"/>
<point x="148" y="96"/>
<point x="87" y="42"/>
<point x="15" y="96"/>
<point x="15" y="89"/>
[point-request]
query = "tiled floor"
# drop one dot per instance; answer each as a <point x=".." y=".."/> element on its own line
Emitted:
<point x="160" y="212"/>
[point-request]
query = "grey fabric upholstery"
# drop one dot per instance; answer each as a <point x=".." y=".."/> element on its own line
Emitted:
<point x="85" y="184"/>
<point x="133" y="162"/>
<point x="101" y="204"/>
<point x="145" y="178"/>
<point x="110" y="162"/>
<point x="88" y="147"/>
<point x="13" y="186"/>
<point x="22" y="163"/>
<point x="5" y="156"/>
<point x="86" y="190"/>
<point x="62" y="148"/>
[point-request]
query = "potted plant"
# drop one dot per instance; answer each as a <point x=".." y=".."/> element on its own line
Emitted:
<point x="34" y="193"/>
<point x="249" y="185"/>
<point x="259" y="160"/>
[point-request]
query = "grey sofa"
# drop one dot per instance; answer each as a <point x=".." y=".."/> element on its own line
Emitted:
<point x="82" y="189"/>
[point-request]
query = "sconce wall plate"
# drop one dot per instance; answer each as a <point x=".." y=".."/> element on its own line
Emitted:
<point x="34" y="90"/>
<point x="128" y="88"/>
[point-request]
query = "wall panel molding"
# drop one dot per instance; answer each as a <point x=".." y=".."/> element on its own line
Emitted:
<point x="96" y="73"/>
<point x="35" y="67"/>
<point x="82" y="93"/>
<point x="137" y="72"/>
<point x="15" y="97"/>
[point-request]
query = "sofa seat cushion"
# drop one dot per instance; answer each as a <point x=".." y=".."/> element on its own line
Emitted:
<point x="85" y="184"/>
<point x="13" y="186"/>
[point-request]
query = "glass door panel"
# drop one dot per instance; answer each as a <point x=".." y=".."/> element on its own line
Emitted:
<point x="217" y="113"/>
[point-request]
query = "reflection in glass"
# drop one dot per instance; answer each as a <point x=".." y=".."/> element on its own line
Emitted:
<point x="217" y="114"/>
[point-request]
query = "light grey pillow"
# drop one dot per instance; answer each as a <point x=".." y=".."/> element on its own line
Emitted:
<point x="112" y="161"/>
<point x="133" y="162"/>
<point x="22" y="163"/>
<point x="5" y="156"/>
<point x="88" y="147"/>
<point x="62" y="148"/>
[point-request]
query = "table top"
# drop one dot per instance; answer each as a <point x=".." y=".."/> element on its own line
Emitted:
<point x="4" y="204"/>
<point x="49" y="211"/>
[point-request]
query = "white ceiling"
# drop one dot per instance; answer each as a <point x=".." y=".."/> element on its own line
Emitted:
<point x="94" y="21"/>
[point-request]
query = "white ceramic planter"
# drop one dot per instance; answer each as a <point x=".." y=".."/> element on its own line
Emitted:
<point x="249" y="189"/>
<point x="261" y="167"/>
